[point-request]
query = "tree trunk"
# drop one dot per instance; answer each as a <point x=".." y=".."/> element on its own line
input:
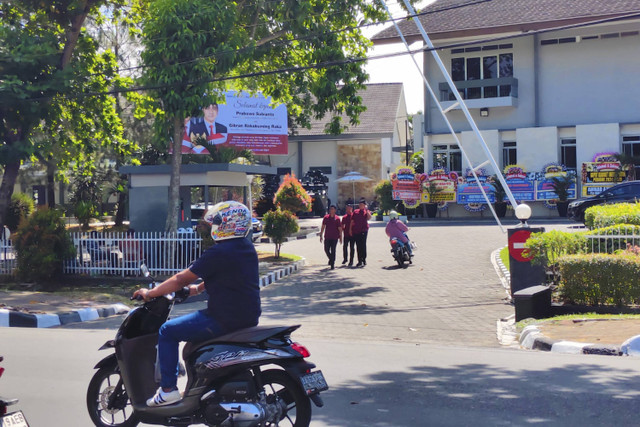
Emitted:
<point x="173" y="209"/>
<point x="6" y="188"/>
<point x="51" y="189"/>
<point x="122" y="206"/>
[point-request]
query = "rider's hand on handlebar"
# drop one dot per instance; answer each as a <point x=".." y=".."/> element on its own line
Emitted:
<point x="193" y="290"/>
<point x="141" y="294"/>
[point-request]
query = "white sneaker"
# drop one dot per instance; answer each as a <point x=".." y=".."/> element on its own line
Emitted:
<point x="162" y="398"/>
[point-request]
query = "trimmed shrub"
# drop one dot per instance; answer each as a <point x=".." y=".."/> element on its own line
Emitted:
<point x="20" y="207"/>
<point x="547" y="247"/>
<point x="291" y="196"/>
<point x="42" y="243"/>
<point x="384" y="191"/>
<point x="601" y="216"/>
<point x="595" y="279"/>
<point x="278" y="225"/>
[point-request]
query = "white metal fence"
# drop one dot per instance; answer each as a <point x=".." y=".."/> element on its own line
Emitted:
<point x="7" y="257"/>
<point x="120" y="254"/>
<point x="613" y="239"/>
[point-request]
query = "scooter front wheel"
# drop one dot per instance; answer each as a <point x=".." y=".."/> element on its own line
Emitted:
<point x="282" y="390"/>
<point x="107" y="400"/>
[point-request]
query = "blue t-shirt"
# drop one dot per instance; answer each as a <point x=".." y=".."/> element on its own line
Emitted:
<point x="230" y="273"/>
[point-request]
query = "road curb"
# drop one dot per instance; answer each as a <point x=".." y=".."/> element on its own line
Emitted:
<point x="9" y="318"/>
<point x="532" y="338"/>
<point x="273" y="276"/>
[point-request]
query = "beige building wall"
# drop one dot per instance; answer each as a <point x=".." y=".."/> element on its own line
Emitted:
<point x="363" y="158"/>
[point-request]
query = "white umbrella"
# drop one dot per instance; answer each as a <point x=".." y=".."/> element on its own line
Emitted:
<point x="353" y="177"/>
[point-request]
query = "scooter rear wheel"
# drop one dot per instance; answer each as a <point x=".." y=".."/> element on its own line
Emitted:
<point x="282" y="389"/>
<point x="103" y="384"/>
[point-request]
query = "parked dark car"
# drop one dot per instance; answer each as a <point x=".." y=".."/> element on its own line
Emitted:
<point x="621" y="193"/>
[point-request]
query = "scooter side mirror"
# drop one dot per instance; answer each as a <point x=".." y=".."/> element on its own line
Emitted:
<point x="144" y="270"/>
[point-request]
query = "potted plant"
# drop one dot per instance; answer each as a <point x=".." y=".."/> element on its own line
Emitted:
<point x="561" y="187"/>
<point x="432" y="207"/>
<point x="499" y="193"/>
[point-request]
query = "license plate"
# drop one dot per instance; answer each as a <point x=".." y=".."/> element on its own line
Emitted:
<point x="14" y="419"/>
<point x="314" y="382"/>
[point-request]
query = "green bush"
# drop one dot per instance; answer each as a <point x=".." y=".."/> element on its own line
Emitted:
<point x="547" y="247"/>
<point x="278" y="225"/>
<point x="84" y="211"/>
<point x="384" y="191"/>
<point x="595" y="279"/>
<point x="607" y="244"/>
<point x="601" y="216"/>
<point x="42" y="243"/>
<point x="20" y="207"/>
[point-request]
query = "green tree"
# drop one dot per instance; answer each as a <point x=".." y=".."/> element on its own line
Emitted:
<point x="278" y="225"/>
<point x="194" y="49"/>
<point x="53" y="92"/>
<point x="384" y="191"/>
<point x="291" y="196"/>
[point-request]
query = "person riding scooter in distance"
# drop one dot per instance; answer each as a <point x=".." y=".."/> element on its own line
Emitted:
<point x="398" y="229"/>
<point x="229" y="270"/>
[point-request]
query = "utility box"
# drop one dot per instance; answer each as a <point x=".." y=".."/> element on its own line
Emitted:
<point x="534" y="301"/>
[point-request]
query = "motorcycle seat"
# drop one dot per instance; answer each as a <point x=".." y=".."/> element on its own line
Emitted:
<point x="252" y="335"/>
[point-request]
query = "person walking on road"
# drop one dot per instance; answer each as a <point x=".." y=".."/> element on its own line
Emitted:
<point x="360" y="229"/>
<point x="348" y="242"/>
<point x="332" y="232"/>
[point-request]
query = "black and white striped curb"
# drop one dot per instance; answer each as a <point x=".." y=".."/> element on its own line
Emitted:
<point x="272" y="276"/>
<point x="9" y="318"/>
<point x="532" y="338"/>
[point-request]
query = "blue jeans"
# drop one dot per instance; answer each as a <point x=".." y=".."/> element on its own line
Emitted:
<point x="197" y="326"/>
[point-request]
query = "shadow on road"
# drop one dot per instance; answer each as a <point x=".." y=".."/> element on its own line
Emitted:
<point x="320" y="292"/>
<point x="481" y="395"/>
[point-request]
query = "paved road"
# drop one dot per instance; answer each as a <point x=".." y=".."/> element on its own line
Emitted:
<point x="372" y="384"/>
<point x="450" y="295"/>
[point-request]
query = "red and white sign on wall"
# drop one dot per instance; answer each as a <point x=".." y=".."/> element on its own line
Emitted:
<point x="516" y="245"/>
<point x="244" y="122"/>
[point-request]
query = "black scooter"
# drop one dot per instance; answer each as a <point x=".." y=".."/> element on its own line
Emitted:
<point x="400" y="251"/>
<point x="227" y="384"/>
<point x="13" y="419"/>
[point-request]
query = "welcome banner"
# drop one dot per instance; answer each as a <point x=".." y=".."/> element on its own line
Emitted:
<point x="244" y="122"/>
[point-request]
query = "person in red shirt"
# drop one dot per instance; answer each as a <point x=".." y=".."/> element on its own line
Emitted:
<point x="332" y="232"/>
<point x="348" y="242"/>
<point x="359" y="231"/>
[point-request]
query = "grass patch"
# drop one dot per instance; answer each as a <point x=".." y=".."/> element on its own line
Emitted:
<point x="526" y="322"/>
<point x="504" y="256"/>
<point x="268" y="257"/>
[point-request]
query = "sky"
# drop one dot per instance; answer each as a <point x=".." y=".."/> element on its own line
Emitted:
<point x="399" y="68"/>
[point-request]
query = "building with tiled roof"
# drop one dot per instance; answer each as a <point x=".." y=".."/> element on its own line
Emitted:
<point x="546" y="81"/>
<point x="366" y="148"/>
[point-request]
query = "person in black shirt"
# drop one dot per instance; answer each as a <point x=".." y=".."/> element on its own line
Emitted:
<point x="229" y="270"/>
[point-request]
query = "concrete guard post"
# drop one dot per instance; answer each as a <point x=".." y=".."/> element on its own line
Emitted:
<point x="523" y="273"/>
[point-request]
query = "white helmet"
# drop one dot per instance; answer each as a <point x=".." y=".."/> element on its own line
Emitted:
<point x="393" y="215"/>
<point x="229" y="220"/>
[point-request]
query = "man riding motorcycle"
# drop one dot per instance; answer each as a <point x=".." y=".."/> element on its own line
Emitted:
<point x="398" y="230"/>
<point x="229" y="270"/>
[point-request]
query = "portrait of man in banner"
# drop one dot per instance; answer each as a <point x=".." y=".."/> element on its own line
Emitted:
<point x="207" y="128"/>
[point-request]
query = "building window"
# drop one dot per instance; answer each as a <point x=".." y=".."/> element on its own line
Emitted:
<point x="482" y="68"/>
<point x="509" y="153"/>
<point x="568" y="153"/>
<point x="447" y="156"/>
<point x="631" y="145"/>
